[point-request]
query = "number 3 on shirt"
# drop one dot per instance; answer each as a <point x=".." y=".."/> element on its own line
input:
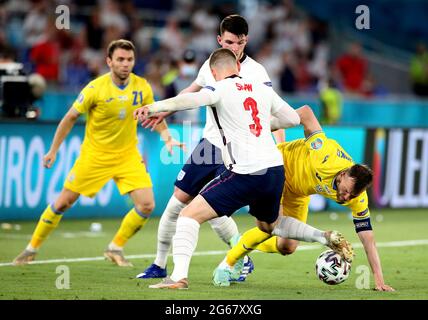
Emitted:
<point x="256" y="127"/>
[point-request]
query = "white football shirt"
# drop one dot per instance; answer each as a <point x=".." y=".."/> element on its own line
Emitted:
<point x="244" y="108"/>
<point x="250" y="69"/>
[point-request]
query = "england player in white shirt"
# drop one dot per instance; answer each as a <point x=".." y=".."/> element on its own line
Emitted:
<point x="205" y="163"/>
<point x="242" y="109"/>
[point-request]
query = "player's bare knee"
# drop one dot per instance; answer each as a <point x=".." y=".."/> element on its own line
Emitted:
<point x="145" y="207"/>
<point x="62" y="205"/>
<point x="286" y="247"/>
<point x="264" y="226"/>
<point x="285" y="251"/>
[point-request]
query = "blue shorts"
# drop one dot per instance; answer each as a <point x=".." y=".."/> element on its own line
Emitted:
<point x="231" y="191"/>
<point x="204" y="164"/>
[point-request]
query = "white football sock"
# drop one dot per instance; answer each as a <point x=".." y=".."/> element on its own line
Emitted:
<point x="183" y="246"/>
<point x="225" y="227"/>
<point x="292" y="228"/>
<point x="166" y="229"/>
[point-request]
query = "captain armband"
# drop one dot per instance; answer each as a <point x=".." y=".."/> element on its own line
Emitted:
<point x="362" y="224"/>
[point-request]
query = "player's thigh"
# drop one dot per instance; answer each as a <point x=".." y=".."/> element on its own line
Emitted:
<point x="199" y="209"/>
<point x="181" y="195"/>
<point x="294" y="205"/>
<point x="144" y="200"/>
<point x="226" y="193"/>
<point x="265" y="195"/>
<point x="89" y="174"/>
<point x="131" y="174"/>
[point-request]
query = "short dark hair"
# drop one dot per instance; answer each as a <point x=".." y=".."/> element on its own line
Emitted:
<point x="221" y="57"/>
<point x="363" y="177"/>
<point x="120" y="44"/>
<point x="235" y="24"/>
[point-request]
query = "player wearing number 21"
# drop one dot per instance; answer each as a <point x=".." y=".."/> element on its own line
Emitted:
<point x="109" y="151"/>
<point x="255" y="175"/>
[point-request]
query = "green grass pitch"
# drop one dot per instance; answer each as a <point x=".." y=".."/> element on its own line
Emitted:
<point x="275" y="277"/>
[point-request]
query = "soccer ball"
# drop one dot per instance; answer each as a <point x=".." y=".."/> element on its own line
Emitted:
<point x="331" y="268"/>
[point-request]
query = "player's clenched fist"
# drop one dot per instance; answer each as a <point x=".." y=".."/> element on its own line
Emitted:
<point x="49" y="159"/>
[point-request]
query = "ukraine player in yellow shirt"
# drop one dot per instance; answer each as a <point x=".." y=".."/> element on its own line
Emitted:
<point x="109" y="151"/>
<point x="318" y="165"/>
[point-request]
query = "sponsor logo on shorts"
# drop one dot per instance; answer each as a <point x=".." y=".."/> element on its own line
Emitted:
<point x="317" y="144"/>
<point x="181" y="175"/>
<point x="362" y="224"/>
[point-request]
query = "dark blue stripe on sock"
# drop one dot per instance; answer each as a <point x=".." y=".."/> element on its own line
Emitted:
<point x="142" y="214"/>
<point x="55" y="210"/>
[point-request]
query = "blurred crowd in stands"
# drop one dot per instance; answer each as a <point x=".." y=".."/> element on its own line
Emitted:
<point x="292" y="46"/>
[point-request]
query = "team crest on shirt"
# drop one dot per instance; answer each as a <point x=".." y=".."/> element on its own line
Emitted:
<point x="316" y="144"/>
<point x="181" y="175"/>
<point x="122" y="114"/>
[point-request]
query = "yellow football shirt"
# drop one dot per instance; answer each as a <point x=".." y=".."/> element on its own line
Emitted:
<point x="311" y="166"/>
<point x="110" y="124"/>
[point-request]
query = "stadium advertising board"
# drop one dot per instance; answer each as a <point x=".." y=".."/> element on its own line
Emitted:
<point x="26" y="186"/>
<point x="399" y="158"/>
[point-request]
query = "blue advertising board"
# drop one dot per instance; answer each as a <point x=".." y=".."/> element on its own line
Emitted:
<point x="26" y="187"/>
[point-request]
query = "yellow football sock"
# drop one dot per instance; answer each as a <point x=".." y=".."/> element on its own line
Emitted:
<point x="48" y="221"/>
<point x="132" y="222"/>
<point x="268" y="246"/>
<point x="247" y="243"/>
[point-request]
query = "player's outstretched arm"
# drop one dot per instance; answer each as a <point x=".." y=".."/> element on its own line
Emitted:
<point x="61" y="133"/>
<point x="156" y="120"/>
<point x="282" y="114"/>
<point x="285" y="117"/>
<point x="368" y="241"/>
<point x="181" y="102"/>
<point x="308" y="120"/>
